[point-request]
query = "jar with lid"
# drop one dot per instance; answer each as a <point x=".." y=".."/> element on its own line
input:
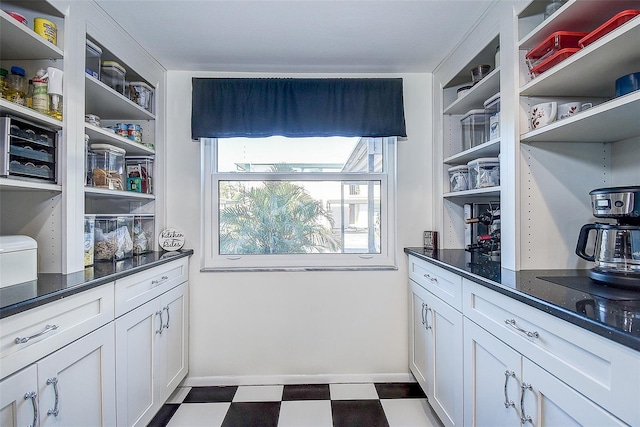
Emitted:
<point x="3" y="82"/>
<point x="17" y="86"/>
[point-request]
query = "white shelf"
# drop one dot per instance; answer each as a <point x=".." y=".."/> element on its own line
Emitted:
<point x="614" y="120"/>
<point x="593" y="70"/>
<point x="474" y="194"/>
<point x="477" y="95"/>
<point x="29" y="114"/>
<point x="108" y="104"/>
<point x="9" y="184"/>
<point x="102" y="136"/>
<point x="99" y="193"/>
<point x="488" y="149"/>
<point x="17" y="41"/>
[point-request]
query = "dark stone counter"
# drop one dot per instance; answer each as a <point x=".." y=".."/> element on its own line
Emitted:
<point x="51" y="287"/>
<point x="567" y="294"/>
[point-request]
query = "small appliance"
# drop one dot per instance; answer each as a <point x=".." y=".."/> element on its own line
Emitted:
<point x="616" y="250"/>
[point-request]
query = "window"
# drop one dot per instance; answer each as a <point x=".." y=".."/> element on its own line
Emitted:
<point x="298" y="203"/>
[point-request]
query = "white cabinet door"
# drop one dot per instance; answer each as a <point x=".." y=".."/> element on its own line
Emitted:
<point x="418" y="336"/>
<point x="19" y="398"/>
<point x="77" y="382"/>
<point x="136" y="362"/>
<point x="174" y="339"/>
<point x="492" y="379"/>
<point x="547" y="401"/>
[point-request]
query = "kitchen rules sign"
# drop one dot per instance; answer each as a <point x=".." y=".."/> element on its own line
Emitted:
<point x="171" y="239"/>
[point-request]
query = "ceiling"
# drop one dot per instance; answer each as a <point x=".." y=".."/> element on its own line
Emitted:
<point x="298" y="36"/>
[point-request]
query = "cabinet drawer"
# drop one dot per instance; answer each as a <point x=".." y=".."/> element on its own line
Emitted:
<point x="135" y="290"/>
<point x="602" y="370"/>
<point x="27" y="337"/>
<point x="442" y="283"/>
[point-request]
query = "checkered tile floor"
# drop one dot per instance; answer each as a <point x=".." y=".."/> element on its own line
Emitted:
<point x="308" y="405"/>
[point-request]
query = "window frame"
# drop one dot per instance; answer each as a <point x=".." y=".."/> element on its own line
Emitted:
<point x="212" y="260"/>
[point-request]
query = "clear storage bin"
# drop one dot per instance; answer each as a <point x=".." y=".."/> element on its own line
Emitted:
<point x="113" y="237"/>
<point x="143" y="232"/>
<point x="93" y="59"/>
<point x="142" y="94"/>
<point x="107" y="166"/>
<point x="140" y="174"/>
<point x="89" y="239"/>
<point x="459" y="178"/>
<point x="473" y="129"/>
<point x="484" y="172"/>
<point x="113" y="75"/>
<point x="492" y="122"/>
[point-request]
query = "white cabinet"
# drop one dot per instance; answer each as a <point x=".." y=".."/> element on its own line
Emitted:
<point x="151" y="350"/>
<point x="436" y="346"/>
<point x="72" y="386"/>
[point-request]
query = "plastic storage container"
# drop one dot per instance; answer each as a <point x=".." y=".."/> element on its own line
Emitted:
<point x="113" y="237"/>
<point x="142" y="94"/>
<point x="93" y="59"/>
<point x="107" y="166"/>
<point x="552" y="45"/>
<point x="459" y="178"/>
<point x="484" y="172"/>
<point x="613" y="23"/>
<point x="473" y="129"/>
<point x="113" y="75"/>
<point x="492" y="122"/>
<point x="553" y="60"/>
<point x="143" y="232"/>
<point x="140" y="174"/>
<point x="89" y="239"/>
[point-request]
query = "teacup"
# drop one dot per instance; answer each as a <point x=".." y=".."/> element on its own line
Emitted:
<point x="543" y="114"/>
<point x="568" y="109"/>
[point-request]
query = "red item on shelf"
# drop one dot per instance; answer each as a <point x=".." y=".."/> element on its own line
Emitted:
<point x="613" y="23"/>
<point x="556" y="58"/>
<point x="555" y="43"/>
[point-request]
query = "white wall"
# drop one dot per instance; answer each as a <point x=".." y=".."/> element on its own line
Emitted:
<point x="274" y="327"/>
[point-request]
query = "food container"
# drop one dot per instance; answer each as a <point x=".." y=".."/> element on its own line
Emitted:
<point x="89" y="239"/>
<point x="141" y="93"/>
<point x="93" y="59"/>
<point x="492" y="122"/>
<point x="553" y="60"/>
<point x="462" y="91"/>
<point x="46" y="29"/>
<point x="479" y="72"/>
<point x="107" y="166"/>
<point x="18" y="260"/>
<point x="134" y="133"/>
<point x="143" y="232"/>
<point x="459" y="178"/>
<point x="92" y="119"/>
<point x="139" y="174"/>
<point x="552" y="45"/>
<point x="113" y="75"/>
<point x="627" y="84"/>
<point x="613" y="23"/>
<point x="113" y="237"/>
<point x="21" y="19"/>
<point x="484" y="172"/>
<point x="473" y="128"/>
<point x="122" y="129"/>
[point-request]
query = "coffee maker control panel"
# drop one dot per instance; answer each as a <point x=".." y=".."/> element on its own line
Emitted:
<point x="615" y="205"/>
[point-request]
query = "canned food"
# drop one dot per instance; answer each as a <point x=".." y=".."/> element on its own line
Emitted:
<point x="46" y="29"/>
<point x="122" y="129"/>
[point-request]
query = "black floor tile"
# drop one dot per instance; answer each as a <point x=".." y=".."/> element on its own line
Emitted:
<point x="161" y="419"/>
<point x="306" y="392"/>
<point x="210" y="394"/>
<point x="399" y="390"/>
<point x="358" y="413"/>
<point x="252" y="414"/>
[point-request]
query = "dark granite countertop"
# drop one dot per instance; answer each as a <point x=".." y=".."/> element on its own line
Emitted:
<point x="567" y="294"/>
<point x="51" y="286"/>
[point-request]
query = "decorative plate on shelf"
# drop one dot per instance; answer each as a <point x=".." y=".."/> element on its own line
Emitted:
<point x="171" y="239"/>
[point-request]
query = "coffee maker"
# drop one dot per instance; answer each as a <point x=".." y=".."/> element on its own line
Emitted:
<point x="616" y="250"/>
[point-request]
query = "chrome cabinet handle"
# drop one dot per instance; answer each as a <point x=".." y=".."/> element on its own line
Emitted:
<point x="525" y="418"/>
<point x="507" y="402"/>
<point x="163" y="309"/>
<point x="512" y="323"/>
<point x="422" y="313"/>
<point x="162" y="279"/>
<point x="426" y="322"/>
<point x="47" y="328"/>
<point x="55" y="410"/>
<point x="431" y="279"/>
<point x="159" y="331"/>
<point x="33" y="396"/>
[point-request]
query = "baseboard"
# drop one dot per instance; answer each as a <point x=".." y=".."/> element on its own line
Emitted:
<point x="295" y="379"/>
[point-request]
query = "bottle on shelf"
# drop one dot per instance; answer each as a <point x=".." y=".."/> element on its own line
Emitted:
<point x="17" y="86"/>
<point x="487" y="218"/>
<point x="40" y="99"/>
<point x="486" y="242"/>
<point x="30" y="94"/>
<point x="3" y="82"/>
<point x="54" y="89"/>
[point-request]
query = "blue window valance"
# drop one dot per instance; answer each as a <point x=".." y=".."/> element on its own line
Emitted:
<point x="246" y="107"/>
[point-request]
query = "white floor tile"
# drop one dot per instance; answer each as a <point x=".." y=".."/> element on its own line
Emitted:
<point x="305" y="413"/>
<point x="199" y="415"/>
<point x="352" y="391"/>
<point x="409" y="413"/>
<point x="259" y="393"/>
<point x="178" y="395"/>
